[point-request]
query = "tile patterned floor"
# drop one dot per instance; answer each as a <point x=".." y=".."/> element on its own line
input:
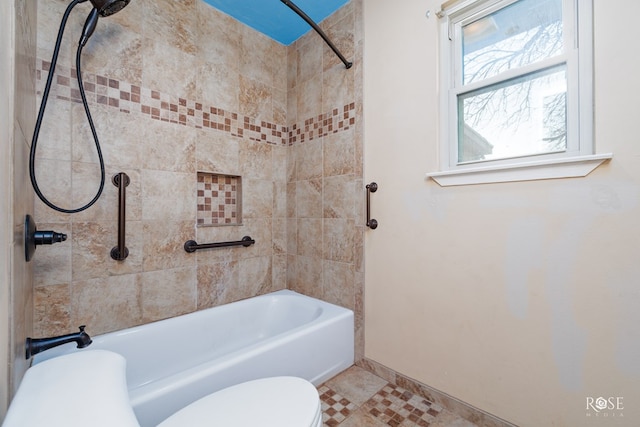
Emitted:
<point x="358" y="398"/>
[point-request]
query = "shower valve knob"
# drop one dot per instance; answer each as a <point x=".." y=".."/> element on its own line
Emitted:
<point x="48" y="237"/>
<point x="34" y="237"/>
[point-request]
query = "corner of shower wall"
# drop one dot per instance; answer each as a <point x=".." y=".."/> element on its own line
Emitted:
<point x="18" y="116"/>
<point x="325" y="230"/>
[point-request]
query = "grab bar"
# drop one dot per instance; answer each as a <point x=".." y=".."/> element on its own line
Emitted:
<point x="371" y="188"/>
<point x="120" y="252"/>
<point x="192" y="245"/>
<point x="315" y="26"/>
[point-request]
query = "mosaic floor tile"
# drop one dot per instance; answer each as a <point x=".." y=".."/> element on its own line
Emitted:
<point x="398" y="407"/>
<point x="335" y="408"/>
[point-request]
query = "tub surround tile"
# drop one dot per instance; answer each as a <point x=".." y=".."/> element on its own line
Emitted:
<point x="279" y="233"/>
<point x="339" y="153"/>
<point x="92" y="244"/>
<point x="280" y="200"/>
<point x="310" y="238"/>
<point x="279" y="272"/>
<point x="53" y="140"/>
<point x="52" y="306"/>
<point x="85" y="181"/>
<point x="53" y="265"/>
<point x="107" y="304"/>
<point x="168" y="195"/>
<point x="163" y="243"/>
<point x="168" y="293"/>
<point x="256" y="160"/>
<point x="174" y="23"/>
<point x="339" y="237"/>
<point x="259" y="199"/>
<point x="219" y="37"/>
<point x="54" y="180"/>
<point x="309" y="198"/>
<point x="214" y="281"/>
<point x="217" y="153"/>
<point x="203" y="93"/>
<point x="338" y="283"/>
<point x="335" y="204"/>
<point x="255" y="99"/>
<point x="308" y="276"/>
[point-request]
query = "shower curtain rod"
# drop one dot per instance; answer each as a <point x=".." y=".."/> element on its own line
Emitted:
<point x="315" y="26"/>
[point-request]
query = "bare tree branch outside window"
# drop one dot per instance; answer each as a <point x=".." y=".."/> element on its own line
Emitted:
<point x="527" y="114"/>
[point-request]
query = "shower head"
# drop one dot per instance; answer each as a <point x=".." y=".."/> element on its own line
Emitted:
<point x="109" y="7"/>
<point x="101" y="8"/>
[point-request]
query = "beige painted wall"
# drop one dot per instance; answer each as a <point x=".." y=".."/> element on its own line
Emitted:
<point x="519" y="298"/>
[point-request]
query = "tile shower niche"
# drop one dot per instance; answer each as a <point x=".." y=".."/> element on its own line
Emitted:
<point x="219" y="199"/>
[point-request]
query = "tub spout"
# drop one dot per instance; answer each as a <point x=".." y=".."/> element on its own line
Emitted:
<point x="37" y="345"/>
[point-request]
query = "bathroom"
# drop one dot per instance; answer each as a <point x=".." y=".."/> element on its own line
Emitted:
<point x="523" y="310"/>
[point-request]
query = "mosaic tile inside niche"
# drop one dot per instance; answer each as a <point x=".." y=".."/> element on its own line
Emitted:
<point x="219" y="199"/>
<point x="128" y="98"/>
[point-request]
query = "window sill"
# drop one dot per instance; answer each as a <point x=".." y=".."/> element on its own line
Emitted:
<point x="570" y="167"/>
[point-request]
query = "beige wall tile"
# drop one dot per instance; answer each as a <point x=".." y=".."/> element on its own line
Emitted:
<point x="168" y="195"/>
<point x="256" y="160"/>
<point x="216" y="152"/>
<point x="163" y="244"/>
<point x="52" y="264"/>
<point x="338" y="283"/>
<point x="339" y="240"/>
<point x="339" y="197"/>
<point x="256" y="99"/>
<point x="174" y="23"/>
<point x="215" y="282"/>
<point x="168" y="293"/>
<point x="339" y="153"/>
<point x="310" y="237"/>
<point x="52" y="310"/>
<point x="192" y="53"/>
<point x="309" y="160"/>
<point x="309" y="198"/>
<point x="107" y="304"/>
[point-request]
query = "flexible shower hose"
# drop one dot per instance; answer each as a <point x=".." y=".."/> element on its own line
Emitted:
<point x="45" y="97"/>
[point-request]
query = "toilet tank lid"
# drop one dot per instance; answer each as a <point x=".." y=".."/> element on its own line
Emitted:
<point x="74" y="390"/>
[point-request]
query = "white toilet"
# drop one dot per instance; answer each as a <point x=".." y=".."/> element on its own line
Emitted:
<point x="89" y="388"/>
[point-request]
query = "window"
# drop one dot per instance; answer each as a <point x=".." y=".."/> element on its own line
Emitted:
<point x="516" y="90"/>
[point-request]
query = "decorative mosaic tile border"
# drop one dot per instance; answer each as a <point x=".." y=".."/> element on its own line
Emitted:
<point x="218" y="199"/>
<point x="324" y="124"/>
<point x="130" y="98"/>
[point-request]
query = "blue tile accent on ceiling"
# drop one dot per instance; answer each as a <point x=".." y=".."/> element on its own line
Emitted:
<point x="274" y="19"/>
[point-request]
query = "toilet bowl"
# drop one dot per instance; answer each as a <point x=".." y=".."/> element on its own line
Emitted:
<point x="89" y="388"/>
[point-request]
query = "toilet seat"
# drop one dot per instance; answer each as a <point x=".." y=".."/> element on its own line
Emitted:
<point x="276" y="401"/>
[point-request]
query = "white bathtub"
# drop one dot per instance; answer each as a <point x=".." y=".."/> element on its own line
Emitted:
<point x="174" y="362"/>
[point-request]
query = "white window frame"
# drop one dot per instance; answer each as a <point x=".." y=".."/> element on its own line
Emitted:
<point x="579" y="159"/>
